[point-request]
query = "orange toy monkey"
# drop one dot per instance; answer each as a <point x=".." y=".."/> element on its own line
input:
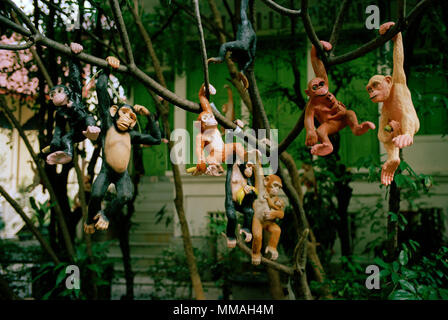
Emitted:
<point x="398" y="120"/>
<point x="267" y="207"/>
<point x="331" y="113"/>
<point x="210" y="139"/>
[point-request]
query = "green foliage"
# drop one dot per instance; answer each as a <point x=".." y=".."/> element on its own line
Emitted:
<point x="96" y="269"/>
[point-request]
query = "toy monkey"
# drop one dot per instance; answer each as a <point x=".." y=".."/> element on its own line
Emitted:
<point x="243" y="48"/>
<point x="331" y="114"/>
<point x="117" y="127"/>
<point x="71" y="111"/>
<point x="398" y="121"/>
<point x="240" y="195"/>
<point x="210" y="139"/>
<point x="267" y="208"/>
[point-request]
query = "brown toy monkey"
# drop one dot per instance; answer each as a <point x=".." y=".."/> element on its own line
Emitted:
<point x="398" y="121"/>
<point x="267" y="207"/>
<point x="331" y="113"/>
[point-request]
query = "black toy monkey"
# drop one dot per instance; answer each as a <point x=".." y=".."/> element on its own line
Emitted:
<point x="117" y="134"/>
<point x="240" y="195"/>
<point x="71" y="111"/>
<point x="243" y="48"/>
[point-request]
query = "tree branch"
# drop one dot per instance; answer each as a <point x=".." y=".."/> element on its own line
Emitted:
<point x="282" y="10"/>
<point x="123" y="32"/>
<point x="30" y="225"/>
<point x="338" y="23"/>
<point x="23" y="16"/>
<point x="380" y="40"/>
<point x="293" y="134"/>
<point x="203" y="48"/>
<point x="309" y="29"/>
<point x="44" y="177"/>
<point x="22" y="46"/>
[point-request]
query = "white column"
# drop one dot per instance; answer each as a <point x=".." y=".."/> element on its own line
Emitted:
<point x="180" y="115"/>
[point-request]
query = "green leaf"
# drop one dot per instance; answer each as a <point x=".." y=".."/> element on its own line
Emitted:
<point x="395" y="277"/>
<point x="402" y="295"/>
<point x="443" y="294"/>
<point x="61" y="276"/>
<point x="395" y="266"/>
<point x="406" y="285"/>
<point x="403" y="257"/>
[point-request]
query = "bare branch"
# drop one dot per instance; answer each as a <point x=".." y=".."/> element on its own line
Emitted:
<point x="23" y="16"/>
<point x="123" y="32"/>
<point x="309" y="29"/>
<point x="44" y="177"/>
<point x="293" y="134"/>
<point x="338" y="23"/>
<point x="282" y="10"/>
<point x="30" y="225"/>
<point x="14" y="26"/>
<point x="380" y="40"/>
<point x="22" y="46"/>
<point x="203" y="48"/>
<point x="277" y="266"/>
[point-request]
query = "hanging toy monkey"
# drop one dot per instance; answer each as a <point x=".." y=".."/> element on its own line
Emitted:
<point x="243" y="48"/>
<point x="70" y="110"/>
<point x="398" y="121"/>
<point x="209" y="138"/>
<point x="118" y="135"/>
<point x="332" y="114"/>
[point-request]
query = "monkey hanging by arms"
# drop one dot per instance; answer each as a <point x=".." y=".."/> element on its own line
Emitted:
<point x="70" y="110"/>
<point x="118" y="134"/>
<point x="243" y="48"/>
<point x="331" y="114"/>
<point x="209" y="139"/>
<point x="398" y="121"/>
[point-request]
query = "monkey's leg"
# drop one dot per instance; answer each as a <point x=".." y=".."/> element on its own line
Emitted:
<point x="232" y="45"/>
<point x="357" y="129"/>
<point x="125" y="192"/>
<point x="231" y="221"/>
<point x="248" y="215"/>
<point x="98" y="191"/>
<point x="66" y="154"/>
<point x="325" y="147"/>
<point x="257" y="233"/>
<point x="391" y="164"/>
<point x="275" y="232"/>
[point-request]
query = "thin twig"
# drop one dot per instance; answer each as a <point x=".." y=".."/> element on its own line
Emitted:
<point x="30" y="225"/>
<point x="23" y="16"/>
<point x="203" y="48"/>
<point x="282" y="10"/>
<point x="123" y="32"/>
<point x="22" y="46"/>
<point x="44" y="177"/>
<point x="309" y="29"/>
<point x="338" y="23"/>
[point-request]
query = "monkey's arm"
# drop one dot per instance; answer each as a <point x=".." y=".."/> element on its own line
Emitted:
<point x="398" y="75"/>
<point x="152" y="138"/>
<point x="271" y="203"/>
<point x="75" y="79"/>
<point x="103" y="99"/>
<point x="318" y="65"/>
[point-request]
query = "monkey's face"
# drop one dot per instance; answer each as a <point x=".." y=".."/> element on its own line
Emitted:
<point x="379" y="88"/>
<point x="208" y="119"/>
<point x="273" y="184"/>
<point x="59" y="96"/>
<point x="248" y="171"/>
<point x="126" y="119"/>
<point x="317" y="88"/>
